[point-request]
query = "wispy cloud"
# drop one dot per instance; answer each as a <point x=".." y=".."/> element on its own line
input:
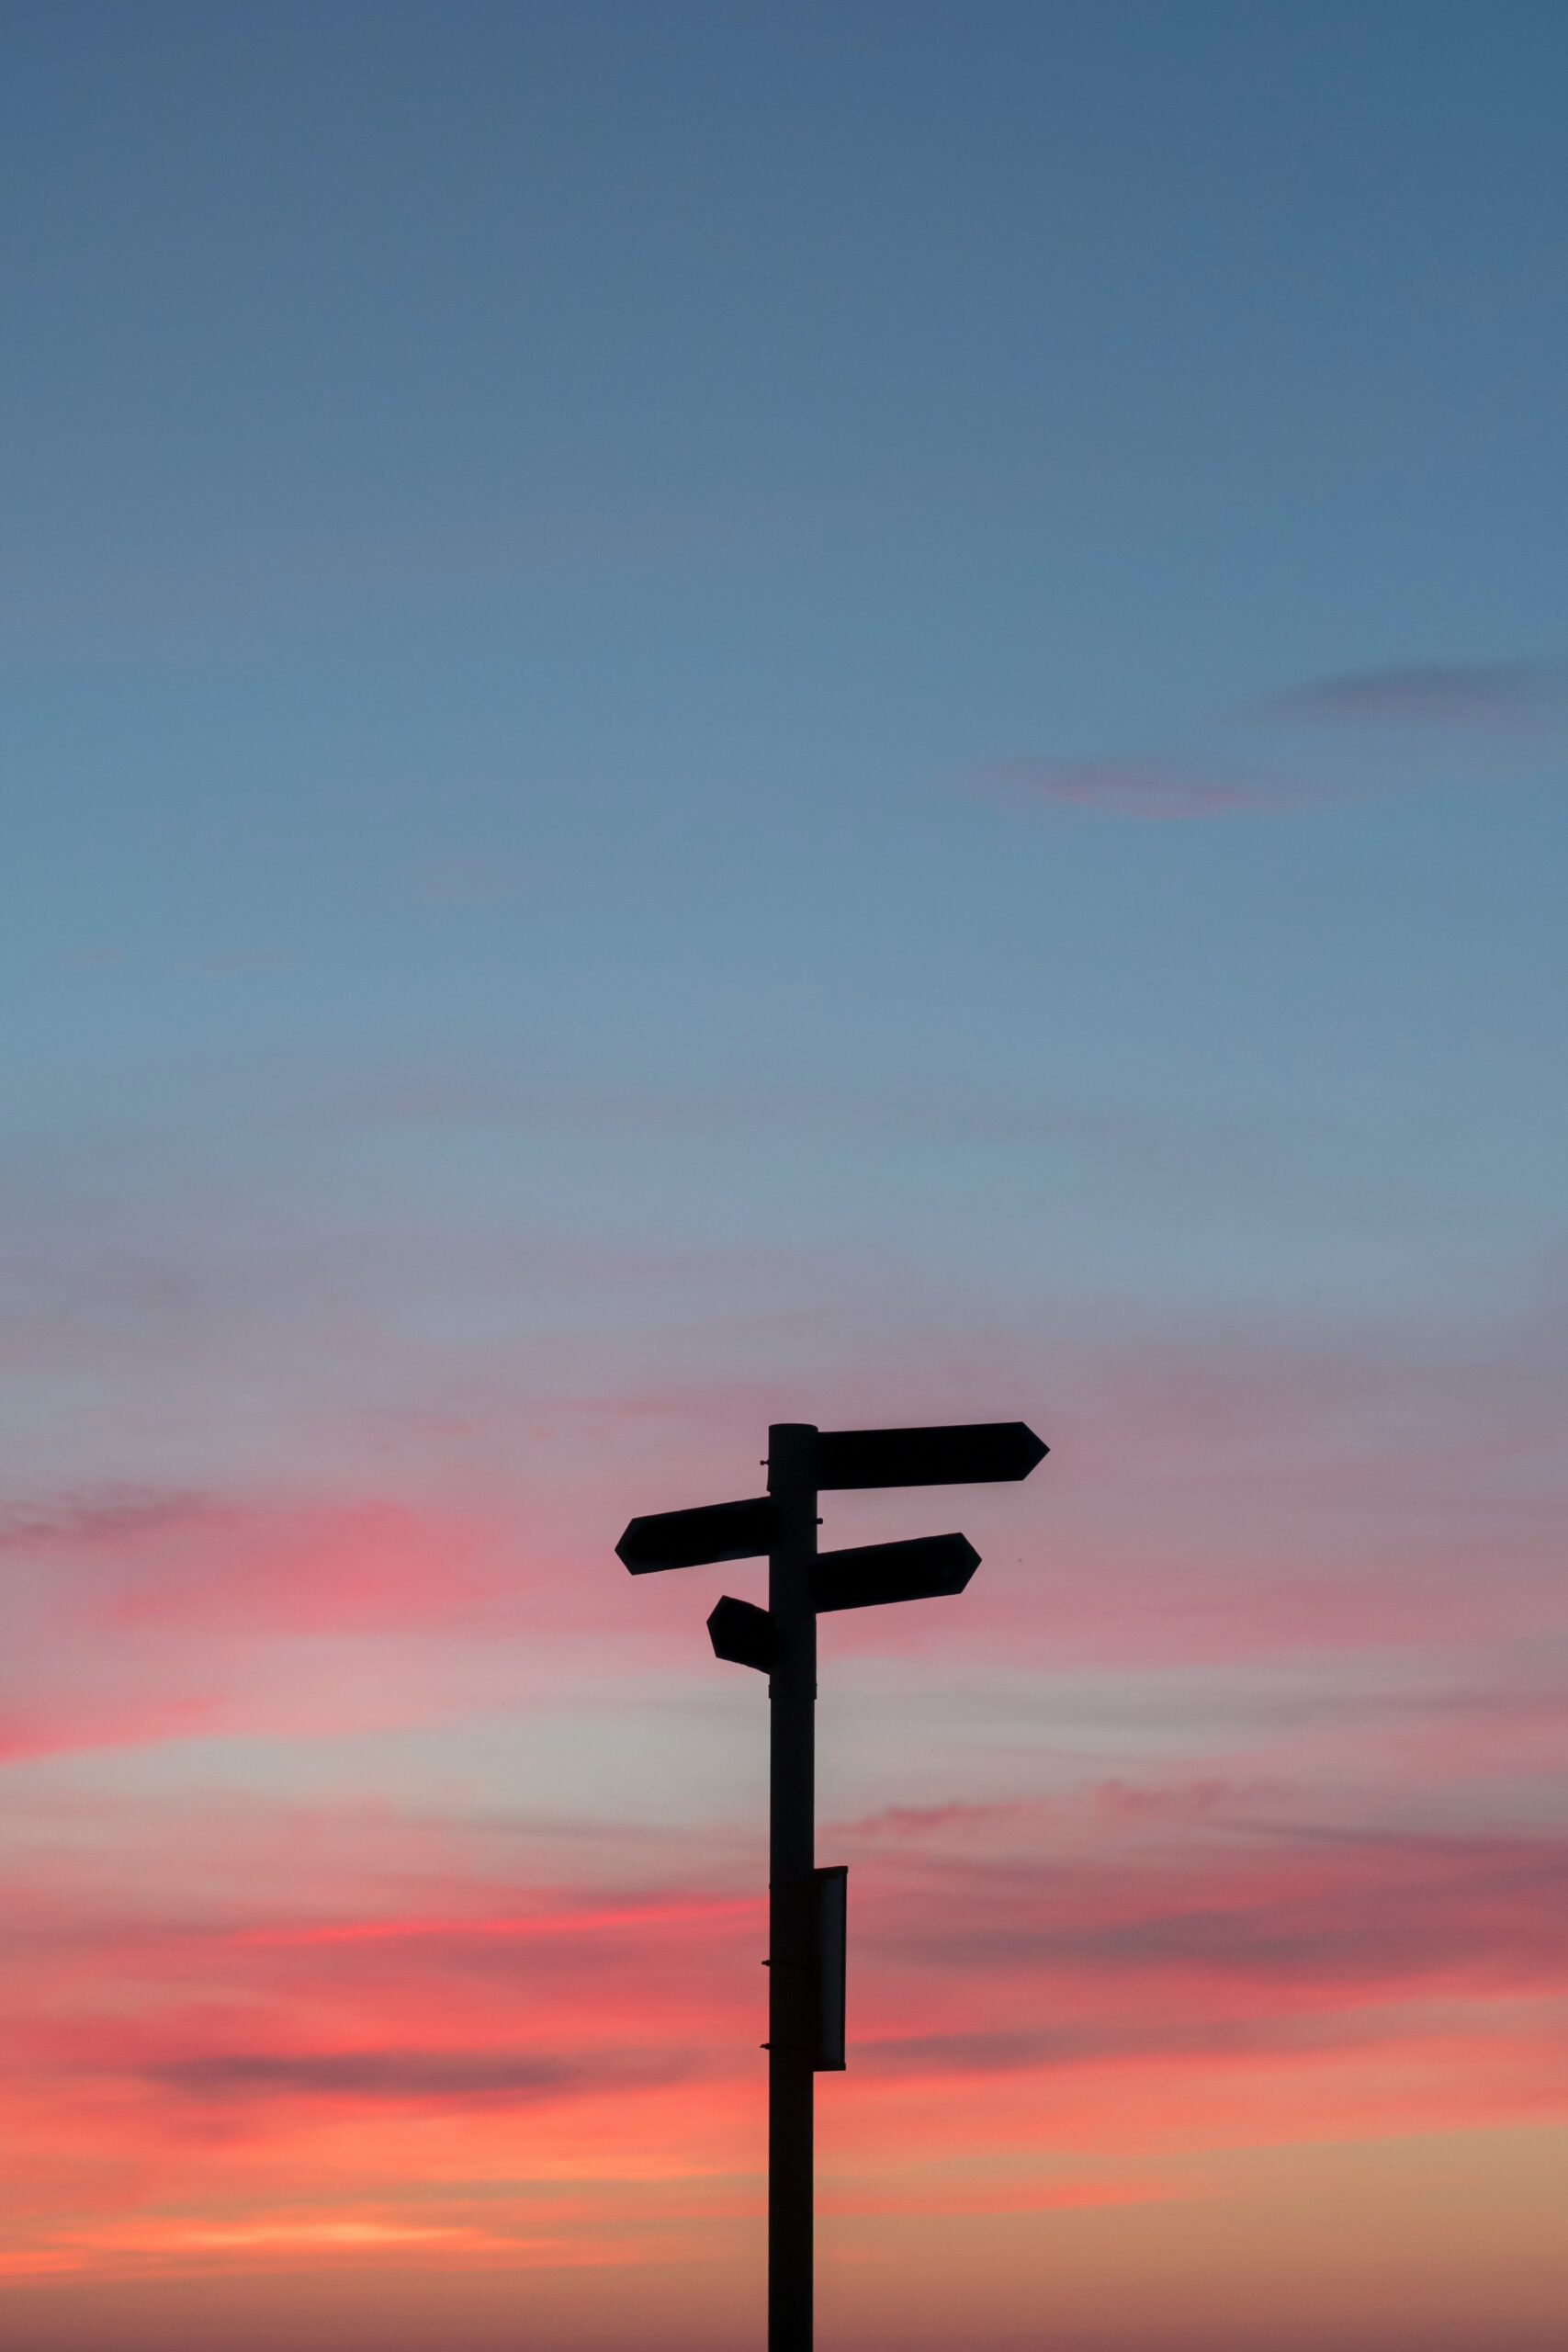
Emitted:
<point x="1090" y="2045"/>
<point x="1153" y="788"/>
<point x="112" y="1515"/>
<point x="404" y="2074"/>
<point x="1378" y="730"/>
<point x="1206" y="1947"/>
<point x="1294" y="1923"/>
<point x="1480" y="697"/>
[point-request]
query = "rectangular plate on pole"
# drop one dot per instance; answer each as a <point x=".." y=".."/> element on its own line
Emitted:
<point x="696" y="1539"/>
<point x="831" y="1891"/>
<point x="871" y="1573"/>
<point x="952" y="1455"/>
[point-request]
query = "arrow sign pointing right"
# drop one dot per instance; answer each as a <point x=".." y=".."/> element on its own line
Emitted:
<point x="692" y="1539"/>
<point x="956" y="1453"/>
<point x="870" y="1573"/>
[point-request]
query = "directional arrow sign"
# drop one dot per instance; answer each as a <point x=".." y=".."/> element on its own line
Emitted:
<point x="692" y="1539"/>
<point x="743" y="1634"/>
<point x="876" y="1572"/>
<point x="945" y="1456"/>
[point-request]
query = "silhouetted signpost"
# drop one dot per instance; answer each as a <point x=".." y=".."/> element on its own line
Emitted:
<point x="807" y="1906"/>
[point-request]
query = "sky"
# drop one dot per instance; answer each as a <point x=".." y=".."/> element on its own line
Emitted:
<point x="718" y="714"/>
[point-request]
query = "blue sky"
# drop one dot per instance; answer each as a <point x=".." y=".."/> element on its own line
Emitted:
<point x="625" y="470"/>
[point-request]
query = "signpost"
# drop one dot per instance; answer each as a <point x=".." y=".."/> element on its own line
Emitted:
<point x="808" y="1906"/>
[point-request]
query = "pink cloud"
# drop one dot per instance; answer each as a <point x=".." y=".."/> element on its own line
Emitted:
<point x="908" y="1821"/>
<point x="200" y="1563"/>
<point x="73" y="1723"/>
<point x="1155" y="788"/>
<point x="1042" y="1994"/>
<point x="1201" y="1951"/>
<point x="1396" y="716"/>
<point x="315" y="1569"/>
<point x="1146" y="1925"/>
<point x="139" y="1617"/>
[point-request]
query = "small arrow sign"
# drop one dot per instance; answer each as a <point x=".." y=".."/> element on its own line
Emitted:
<point x="871" y="1573"/>
<point x="742" y="1633"/>
<point x="694" y="1539"/>
<point x="957" y="1454"/>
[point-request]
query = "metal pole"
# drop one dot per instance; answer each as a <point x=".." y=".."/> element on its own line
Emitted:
<point x="792" y="2022"/>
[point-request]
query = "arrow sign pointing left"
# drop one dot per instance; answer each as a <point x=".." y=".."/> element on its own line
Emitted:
<point x="694" y="1539"/>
